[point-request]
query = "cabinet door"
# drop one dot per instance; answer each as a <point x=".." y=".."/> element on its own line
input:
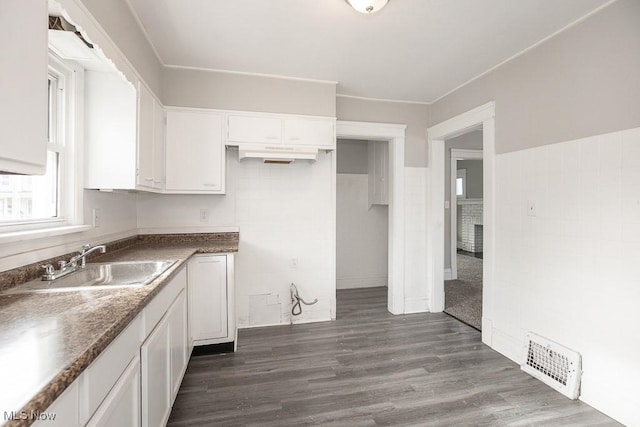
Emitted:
<point x="24" y="64"/>
<point x="65" y="409"/>
<point x="145" y="137"/>
<point x="195" y="152"/>
<point x="122" y="405"/>
<point x="156" y="382"/>
<point x="158" y="145"/>
<point x="266" y="130"/>
<point x="378" y="173"/>
<point x="208" y="298"/>
<point x="314" y="132"/>
<point x="178" y="341"/>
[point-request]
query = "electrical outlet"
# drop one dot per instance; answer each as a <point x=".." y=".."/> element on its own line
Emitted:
<point x="531" y="208"/>
<point x="204" y="215"/>
<point x="96" y="218"/>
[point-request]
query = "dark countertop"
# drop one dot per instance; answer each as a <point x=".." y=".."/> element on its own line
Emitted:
<point x="48" y="339"/>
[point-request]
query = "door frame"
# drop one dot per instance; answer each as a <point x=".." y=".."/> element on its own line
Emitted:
<point x="395" y="135"/>
<point x="457" y="154"/>
<point x="484" y="116"/>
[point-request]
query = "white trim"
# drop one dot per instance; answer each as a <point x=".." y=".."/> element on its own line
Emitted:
<point x="522" y="52"/>
<point x="416" y="305"/>
<point x="375" y="281"/>
<point x="247" y="73"/>
<point x="456" y="154"/>
<point x="333" y="237"/>
<point x="77" y="13"/>
<point x="448" y="274"/>
<point x="484" y="116"/>
<point x="244" y="112"/>
<point x="17" y="236"/>
<point x="397" y="101"/>
<point x="183" y="230"/>
<point x="395" y="134"/>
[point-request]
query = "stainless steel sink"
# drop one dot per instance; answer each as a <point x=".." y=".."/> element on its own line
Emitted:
<point x="100" y="276"/>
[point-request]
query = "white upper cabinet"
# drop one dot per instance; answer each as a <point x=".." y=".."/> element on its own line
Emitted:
<point x="145" y="138"/>
<point x="24" y="65"/>
<point x="313" y="132"/>
<point x="261" y="130"/>
<point x="257" y="128"/>
<point x="195" y="152"/>
<point x="124" y="135"/>
<point x="158" y="145"/>
<point x="150" y="141"/>
<point x="110" y="131"/>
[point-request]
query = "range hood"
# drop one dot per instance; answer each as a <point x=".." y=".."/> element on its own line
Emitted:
<point x="277" y="154"/>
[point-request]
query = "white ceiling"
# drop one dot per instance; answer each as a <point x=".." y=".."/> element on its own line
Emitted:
<point x="413" y="50"/>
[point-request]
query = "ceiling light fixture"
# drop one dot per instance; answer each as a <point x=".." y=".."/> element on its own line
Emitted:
<point x="367" y="6"/>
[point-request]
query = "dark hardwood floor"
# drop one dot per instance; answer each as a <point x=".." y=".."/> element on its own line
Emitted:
<point x="369" y="368"/>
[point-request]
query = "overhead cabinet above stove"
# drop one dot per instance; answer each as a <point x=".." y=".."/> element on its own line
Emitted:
<point x="276" y="129"/>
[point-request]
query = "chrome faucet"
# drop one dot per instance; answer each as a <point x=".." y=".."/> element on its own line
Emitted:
<point x="86" y="250"/>
<point x="76" y="262"/>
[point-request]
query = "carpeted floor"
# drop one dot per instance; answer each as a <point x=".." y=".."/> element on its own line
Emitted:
<point x="463" y="297"/>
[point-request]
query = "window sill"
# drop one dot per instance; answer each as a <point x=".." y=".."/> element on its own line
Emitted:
<point x="16" y="236"/>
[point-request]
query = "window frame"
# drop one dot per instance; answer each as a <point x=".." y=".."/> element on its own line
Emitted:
<point x="65" y="140"/>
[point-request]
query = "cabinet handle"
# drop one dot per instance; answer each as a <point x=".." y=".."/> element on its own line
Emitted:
<point x="156" y="181"/>
<point x="294" y="138"/>
<point x="206" y="184"/>
<point x="272" y="137"/>
<point x="148" y="179"/>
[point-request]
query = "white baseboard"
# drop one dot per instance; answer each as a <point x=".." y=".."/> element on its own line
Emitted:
<point x="447" y="274"/>
<point x="361" y="282"/>
<point x="416" y="305"/>
<point x="506" y="345"/>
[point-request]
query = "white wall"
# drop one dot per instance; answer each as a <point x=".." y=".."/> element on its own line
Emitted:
<point x="415" y="246"/>
<point x="362" y="235"/>
<point x="474" y="177"/>
<point x="284" y="213"/>
<point x="578" y="83"/>
<point x="570" y="273"/>
<point x="117" y="220"/>
<point x="230" y="91"/>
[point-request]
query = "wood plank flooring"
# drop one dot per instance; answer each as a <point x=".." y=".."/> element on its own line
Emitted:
<point x="369" y="368"/>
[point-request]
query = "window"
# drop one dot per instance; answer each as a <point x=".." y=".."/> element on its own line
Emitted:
<point x="461" y="185"/>
<point x="33" y="202"/>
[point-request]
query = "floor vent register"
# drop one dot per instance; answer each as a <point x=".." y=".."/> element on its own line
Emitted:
<point x="553" y="364"/>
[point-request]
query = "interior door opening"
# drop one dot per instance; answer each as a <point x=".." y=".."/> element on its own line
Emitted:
<point x="362" y="221"/>
<point x="463" y="261"/>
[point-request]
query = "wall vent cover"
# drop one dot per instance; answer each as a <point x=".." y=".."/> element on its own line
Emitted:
<point x="553" y="364"/>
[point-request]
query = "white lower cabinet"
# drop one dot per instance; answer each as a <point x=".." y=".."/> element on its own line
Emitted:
<point x="156" y="391"/>
<point x="179" y="356"/>
<point x="164" y="360"/>
<point x="136" y="379"/>
<point x="64" y="411"/>
<point x="211" y="299"/>
<point x="121" y="407"/>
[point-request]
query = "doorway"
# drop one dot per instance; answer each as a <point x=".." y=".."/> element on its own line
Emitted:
<point x="395" y="135"/>
<point x="482" y="117"/>
<point x="464" y="228"/>
<point x="361" y="214"/>
<point x="362" y="220"/>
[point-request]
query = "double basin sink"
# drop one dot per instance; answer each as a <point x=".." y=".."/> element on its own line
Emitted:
<point x="111" y="275"/>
